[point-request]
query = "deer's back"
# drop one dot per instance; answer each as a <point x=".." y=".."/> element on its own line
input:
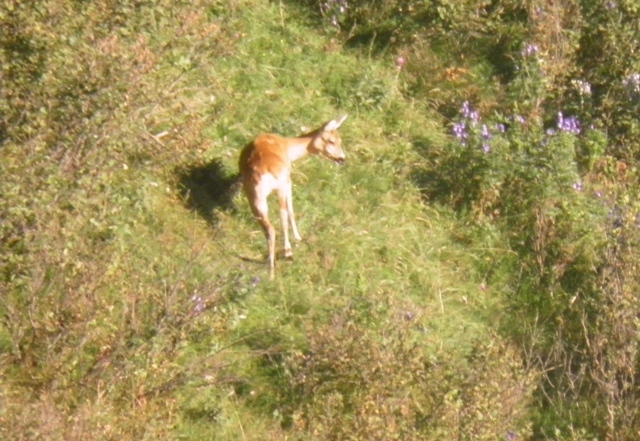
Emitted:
<point x="264" y="155"/>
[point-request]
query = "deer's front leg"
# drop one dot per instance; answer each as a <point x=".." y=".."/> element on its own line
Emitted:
<point x="284" y="221"/>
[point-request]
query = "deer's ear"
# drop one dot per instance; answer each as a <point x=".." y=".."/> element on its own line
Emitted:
<point x="334" y="123"/>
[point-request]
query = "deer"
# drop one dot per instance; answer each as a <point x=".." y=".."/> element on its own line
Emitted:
<point x="265" y="167"/>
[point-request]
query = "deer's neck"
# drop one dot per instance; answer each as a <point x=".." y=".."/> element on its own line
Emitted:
<point x="298" y="147"/>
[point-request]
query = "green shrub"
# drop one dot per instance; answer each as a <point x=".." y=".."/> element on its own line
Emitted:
<point x="352" y="382"/>
<point x="566" y="212"/>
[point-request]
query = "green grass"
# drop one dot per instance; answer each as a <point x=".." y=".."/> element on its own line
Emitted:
<point x="100" y="338"/>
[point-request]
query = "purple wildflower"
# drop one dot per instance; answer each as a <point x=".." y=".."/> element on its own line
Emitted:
<point x="486" y="136"/>
<point x="568" y="125"/>
<point x="470" y="114"/>
<point x="459" y="130"/>
<point x="198" y="304"/>
<point x="577" y="186"/>
<point x="501" y="128"/>
<point x="529" y="50"/>
<point x="465" y="110"/>
<point x="484" y="132"/>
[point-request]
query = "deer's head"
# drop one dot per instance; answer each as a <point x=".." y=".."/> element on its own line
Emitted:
<point x="327" y="142"/>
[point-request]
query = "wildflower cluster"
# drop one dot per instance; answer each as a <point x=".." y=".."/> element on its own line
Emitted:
<point x="483" y="137"/>
<point x="568" y="125"/>
<point x="470" y="125"/>
<point x="577" y="186"/>
<point x="583" y="87"/>
<point x="529" y="50"/>
<point x="333" y="9"/>
<point x="470" y="121"/>
<point x="198" y="304"/>
<point x="459" y="130"/>
<point x="468" y="113"/>
<point x="486" y="136"/>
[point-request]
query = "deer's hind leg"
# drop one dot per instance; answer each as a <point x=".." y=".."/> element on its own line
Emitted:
<point x="260" y="210"/>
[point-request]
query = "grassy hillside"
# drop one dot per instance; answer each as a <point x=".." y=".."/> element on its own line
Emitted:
<point x="424" y="299"/>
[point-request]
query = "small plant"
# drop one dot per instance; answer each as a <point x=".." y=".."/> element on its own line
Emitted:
<point x="332" y="10"/>
<point x="631" y="84"/>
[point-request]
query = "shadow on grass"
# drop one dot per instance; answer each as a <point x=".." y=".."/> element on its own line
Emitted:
<point x="209" y="188"/>
<point x="444" y="179"/>
<point x="429" y="177"/>
<point x="206" y="188"/>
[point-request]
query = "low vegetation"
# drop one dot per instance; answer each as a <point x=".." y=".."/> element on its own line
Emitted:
<point x="471" y="272"/>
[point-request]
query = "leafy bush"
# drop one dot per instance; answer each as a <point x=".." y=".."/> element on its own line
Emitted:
<point x="565" y="209"/>
<point x="558" y="200"/>
<point x="76" y="111"/>
<point x="608" y="35"/>
<point x="356" y="383"/>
